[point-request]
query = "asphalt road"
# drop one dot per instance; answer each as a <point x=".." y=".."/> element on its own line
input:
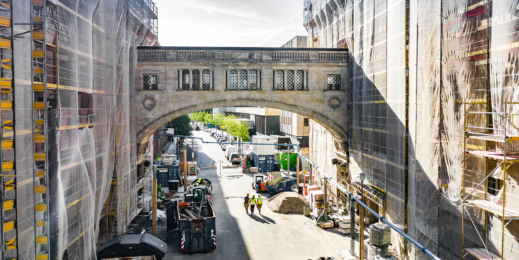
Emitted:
<point x="242" y="236"/>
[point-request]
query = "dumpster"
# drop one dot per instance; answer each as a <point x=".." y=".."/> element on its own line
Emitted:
<point x="173" y="185"/>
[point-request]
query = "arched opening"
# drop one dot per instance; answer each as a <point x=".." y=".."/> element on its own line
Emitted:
<point x="337" y="131"/>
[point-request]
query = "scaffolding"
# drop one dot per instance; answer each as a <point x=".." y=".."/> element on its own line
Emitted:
<point x="477" y="198"/>
<point x="73" y="93"/>
<point x="8" y="213"/>
<point x="414" y="65"/>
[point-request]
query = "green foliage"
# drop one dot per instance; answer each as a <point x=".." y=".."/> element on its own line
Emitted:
<point x="229" y="123"/>
<point x="182" y="125"/>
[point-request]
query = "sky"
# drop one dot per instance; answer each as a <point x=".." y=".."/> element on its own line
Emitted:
<point x="233" y="23"/>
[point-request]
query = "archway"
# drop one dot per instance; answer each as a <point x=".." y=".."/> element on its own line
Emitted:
<point x="339" y="134"/>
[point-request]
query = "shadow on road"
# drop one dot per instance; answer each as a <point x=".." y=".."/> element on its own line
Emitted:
<point x="258" y="219"/>
<point x="269" y="219"/>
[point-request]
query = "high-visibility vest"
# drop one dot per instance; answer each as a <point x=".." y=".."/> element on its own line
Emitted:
<point x="259" y="200"/>
<point x="252" y="201"/>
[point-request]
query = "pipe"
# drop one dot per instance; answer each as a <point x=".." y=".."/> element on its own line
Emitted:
<point x="352" y="225"/>
<point x="424" y="249"/>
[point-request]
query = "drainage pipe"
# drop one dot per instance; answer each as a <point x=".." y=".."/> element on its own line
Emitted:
<point x="424" y="249"/>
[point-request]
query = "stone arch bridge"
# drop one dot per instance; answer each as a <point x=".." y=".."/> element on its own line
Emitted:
<point x="175" y="81"/>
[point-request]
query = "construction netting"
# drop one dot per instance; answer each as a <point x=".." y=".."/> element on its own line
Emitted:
<point x="417" y="67"/>
<point x="90" y="55"/>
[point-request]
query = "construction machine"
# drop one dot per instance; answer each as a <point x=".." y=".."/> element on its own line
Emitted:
<point x="258" y="183"/>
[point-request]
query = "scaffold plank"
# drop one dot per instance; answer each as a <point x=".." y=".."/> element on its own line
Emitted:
<point x="8" y="204"/>
<point x="495" y="156"/>
<point x="491" y="137"/>
<point x="38" y="54"/>
<point x="37" y="35"/>
<point x="40" y="157"/>
<point x="38" y="105"/>
<point x="40" y="139"/>
<point x="494" y="208"/>
<point x="6" y="105"/>
<point x="38" y="86"/>
<point x="40" y="207"/>
<point x="9" y="226"/>
<point x="7" y="144"/>
<point x="481" y="254"/>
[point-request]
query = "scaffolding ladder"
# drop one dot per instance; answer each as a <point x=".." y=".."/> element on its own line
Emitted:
<point x="39" y="128"/>
<point x="505" y="160"/>
<point x="9" y="228"/>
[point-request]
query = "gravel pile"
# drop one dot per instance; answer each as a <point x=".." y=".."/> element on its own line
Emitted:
<point x="287" y="202"/>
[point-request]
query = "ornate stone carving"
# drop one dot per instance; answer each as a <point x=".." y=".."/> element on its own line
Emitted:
<point x="195" y="55"/>
<point x="334" y="102"/>
<point x="149" y="103"/>
<point x="290" y="55"/>
<point x="333" y="56"/>
<point x="151" y="55"/>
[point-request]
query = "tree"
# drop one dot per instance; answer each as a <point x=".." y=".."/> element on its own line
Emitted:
<point x="182" y="126"/>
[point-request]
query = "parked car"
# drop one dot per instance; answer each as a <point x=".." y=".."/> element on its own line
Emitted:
<point x="230" y="149"/>
<point x="235" y="158"/>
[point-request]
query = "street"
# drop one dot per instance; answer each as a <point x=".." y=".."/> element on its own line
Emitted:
<point x="241" y="236"/>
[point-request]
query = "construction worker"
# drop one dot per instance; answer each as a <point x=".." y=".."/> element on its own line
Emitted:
<point x="259" y="201"/>
<point x="246" y="201"/>
<point x="252" y="203"/>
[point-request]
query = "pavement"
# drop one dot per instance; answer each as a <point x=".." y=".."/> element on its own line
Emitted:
<point x="249" y="236"/>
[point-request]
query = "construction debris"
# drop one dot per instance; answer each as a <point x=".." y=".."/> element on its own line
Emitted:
<point x="380" y="234"/>
<point x="287" y="202"/>
<point x="161" y="215"/>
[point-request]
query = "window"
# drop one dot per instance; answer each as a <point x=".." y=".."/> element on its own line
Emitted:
<point x="305" y="121"/>
<point x="290" y="80"/>
<point x="206" y="76"/>
<point x="279" y="77"/>
<point x="186" y="78"/>
<point x="300" y="80"/>
<point x="334" y="82"/>
<point x="196" y="79"/>
<point x="494" y="185"/>
<point x="253" y="79"/>
<point x="243" y="79"/>
<point x="233" y="79"/>
<point x="150" y="81"/>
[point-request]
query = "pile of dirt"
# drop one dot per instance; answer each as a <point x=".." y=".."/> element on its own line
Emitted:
<point x="287" y="202"/>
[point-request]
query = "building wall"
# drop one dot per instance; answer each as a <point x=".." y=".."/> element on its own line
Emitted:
<point x="411" y="74"/>
<point x="322" y="151"/>
<point x="296" y="42"/>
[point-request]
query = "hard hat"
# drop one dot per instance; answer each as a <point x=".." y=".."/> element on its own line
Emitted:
<point x="247" y="194"/>
<point x="253" y="196"/>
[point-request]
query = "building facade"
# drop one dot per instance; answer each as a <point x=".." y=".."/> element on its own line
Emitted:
<point x="429" y="81"/>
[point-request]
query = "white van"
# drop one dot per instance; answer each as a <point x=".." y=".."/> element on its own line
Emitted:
<point x="230" y="149"/>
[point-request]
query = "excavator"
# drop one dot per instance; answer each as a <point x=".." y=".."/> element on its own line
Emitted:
<point x="259" y="182"/>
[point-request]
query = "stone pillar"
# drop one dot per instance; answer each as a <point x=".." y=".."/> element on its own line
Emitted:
<point x="190" y="79"/>
<point x="210" y="79"/>
<point x="258" y="78"/>
<point x="305" y="73"/>
<point x="228" y="86"/>
<point x="239" y="78"/>
<point x="285" y="87"/>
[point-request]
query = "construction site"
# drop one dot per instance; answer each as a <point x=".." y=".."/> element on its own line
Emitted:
<point x="427" y="92"/>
